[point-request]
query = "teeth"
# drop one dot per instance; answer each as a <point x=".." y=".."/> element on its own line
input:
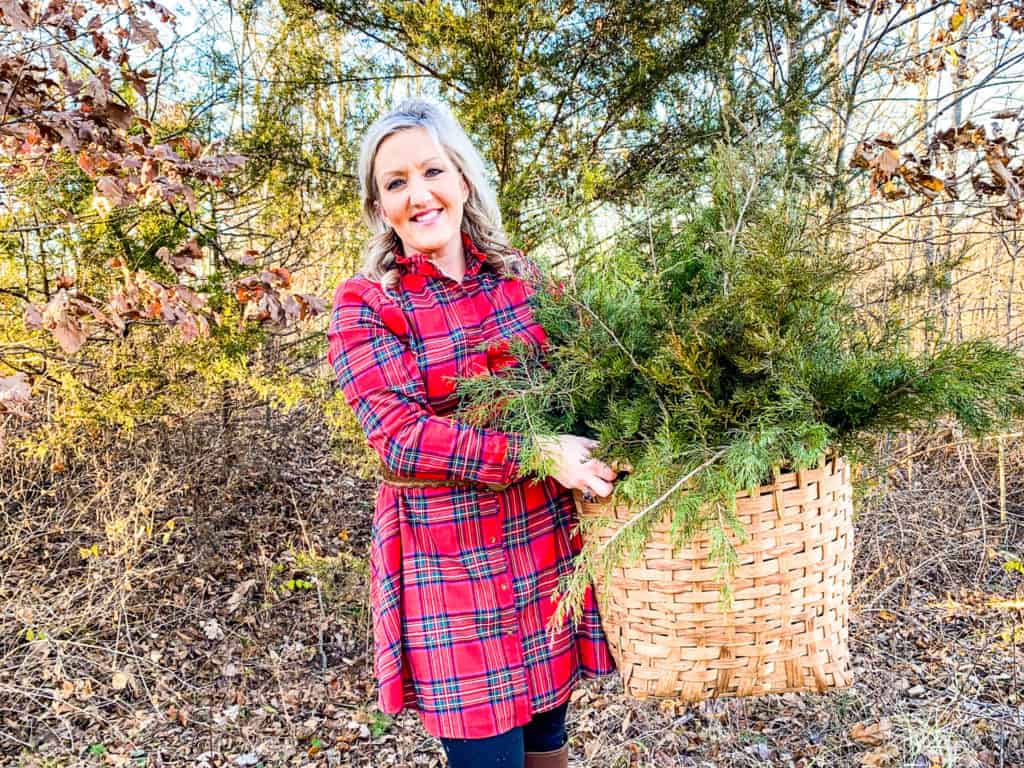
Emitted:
<point x="425" y="217"/>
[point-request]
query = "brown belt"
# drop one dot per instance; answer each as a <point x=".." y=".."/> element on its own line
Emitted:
<point x="398" y="481"/>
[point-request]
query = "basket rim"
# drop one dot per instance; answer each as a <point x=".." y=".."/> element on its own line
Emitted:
<point x="780" y="476"/>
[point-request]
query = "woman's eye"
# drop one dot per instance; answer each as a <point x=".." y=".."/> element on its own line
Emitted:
<point x="393" y="185"/>
<point x="434" y="171"/>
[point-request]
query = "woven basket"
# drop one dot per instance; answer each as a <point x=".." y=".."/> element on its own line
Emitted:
<point x="787" y="627"/>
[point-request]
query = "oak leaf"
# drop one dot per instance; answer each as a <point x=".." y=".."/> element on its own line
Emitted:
<point x="888" y="161"/>
<point x="110" y="189"/>
<point x="33" y="317"/>
<point x="144" y="32"/>
<point x="278" y="276"/>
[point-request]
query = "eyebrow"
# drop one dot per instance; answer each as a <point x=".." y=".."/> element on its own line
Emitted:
<point x="385" y="174"/>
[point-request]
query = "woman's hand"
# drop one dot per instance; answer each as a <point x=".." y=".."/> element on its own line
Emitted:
<point x="573" y="466"/>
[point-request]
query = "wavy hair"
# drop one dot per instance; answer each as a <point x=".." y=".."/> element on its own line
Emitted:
<point x="481" y="217"/>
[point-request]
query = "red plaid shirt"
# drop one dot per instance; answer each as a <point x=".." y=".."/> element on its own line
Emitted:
<point x="461" y="579"/>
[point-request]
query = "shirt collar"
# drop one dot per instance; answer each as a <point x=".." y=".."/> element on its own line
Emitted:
<point x="419" y="263"/>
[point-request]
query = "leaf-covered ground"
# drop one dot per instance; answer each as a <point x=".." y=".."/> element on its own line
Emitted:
<point x="198" y="598"/>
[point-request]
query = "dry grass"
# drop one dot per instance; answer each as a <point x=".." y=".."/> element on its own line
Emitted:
<point x="129" y="579"/>
<point x="221" y="618"/>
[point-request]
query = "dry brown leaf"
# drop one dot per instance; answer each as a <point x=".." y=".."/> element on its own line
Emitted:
<point x="879" y="757"/>
<point x="119" y="681"/>
<point x="887" y="162"/>
<point x="83" y="688"/>
<point x="69" y="334"/>
<point x="988" y="758"/>
<point x="872" y="734"/>
<point x="15" y="394"/>
<point x="240" y="593"/>
<point x="111" y="189"/>
<point x="15" y="15"/>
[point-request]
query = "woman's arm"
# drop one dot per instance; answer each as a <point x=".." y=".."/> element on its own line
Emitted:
<point x="381" y="380"/>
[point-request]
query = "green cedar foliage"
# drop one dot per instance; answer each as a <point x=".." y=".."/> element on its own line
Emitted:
<point x="718" y="345"/>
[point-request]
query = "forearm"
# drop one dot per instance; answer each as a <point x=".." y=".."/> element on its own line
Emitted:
<point x="414" y="443"/>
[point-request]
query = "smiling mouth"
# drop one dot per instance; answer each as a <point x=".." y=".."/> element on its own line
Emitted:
<point x="427" y="217"/>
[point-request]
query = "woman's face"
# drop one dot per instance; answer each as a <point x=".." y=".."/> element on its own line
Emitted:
<point x="421" y="193"/>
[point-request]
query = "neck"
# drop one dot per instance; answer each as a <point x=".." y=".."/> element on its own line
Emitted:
<point x="450" y="261"/>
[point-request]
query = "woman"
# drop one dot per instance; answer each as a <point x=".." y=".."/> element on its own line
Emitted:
<point x="465" y="554"/>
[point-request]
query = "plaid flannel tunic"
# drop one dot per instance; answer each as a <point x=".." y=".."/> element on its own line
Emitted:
<point x="461" y="579"/>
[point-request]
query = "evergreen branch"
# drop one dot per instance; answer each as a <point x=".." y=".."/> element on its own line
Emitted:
<point x="742" y="212"/>
<point x="660" y="500"/>
<point x="615" y="339"/>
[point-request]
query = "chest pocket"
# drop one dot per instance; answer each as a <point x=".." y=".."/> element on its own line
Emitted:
<point x="447" y="337"/>
<point x="442" y="359"/>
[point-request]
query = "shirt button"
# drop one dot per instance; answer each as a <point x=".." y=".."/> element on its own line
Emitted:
<point x="504" y="586"/>
<point x="494" y="539"/>
<point x="510" y="631"/>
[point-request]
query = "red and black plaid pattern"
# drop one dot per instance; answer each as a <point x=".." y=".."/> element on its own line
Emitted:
<point x="461" y="579"/>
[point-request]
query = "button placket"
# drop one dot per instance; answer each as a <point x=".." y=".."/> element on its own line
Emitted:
<point x="490" y="519"/>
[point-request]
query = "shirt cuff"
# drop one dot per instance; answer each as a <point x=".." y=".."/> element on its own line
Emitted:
<point x="513" y="453"/>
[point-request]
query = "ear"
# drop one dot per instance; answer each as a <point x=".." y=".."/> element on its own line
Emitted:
<point x="379" y="210"/>
<point x="465" y="187"/>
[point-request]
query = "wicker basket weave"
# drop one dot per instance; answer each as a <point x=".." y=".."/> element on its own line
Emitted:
<point x="787" y="627"/>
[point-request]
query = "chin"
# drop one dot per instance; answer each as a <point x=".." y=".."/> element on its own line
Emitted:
<point x="434" y="244"/>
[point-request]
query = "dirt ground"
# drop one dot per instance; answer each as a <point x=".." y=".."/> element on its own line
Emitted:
<point x="197" y="597"/>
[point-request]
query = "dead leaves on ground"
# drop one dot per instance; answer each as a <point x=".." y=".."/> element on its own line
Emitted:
<point x="877" y="735"/>
<point x="872" y="734"/>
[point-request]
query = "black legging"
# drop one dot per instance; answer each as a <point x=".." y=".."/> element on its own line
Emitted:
<point x="545" y="732"/>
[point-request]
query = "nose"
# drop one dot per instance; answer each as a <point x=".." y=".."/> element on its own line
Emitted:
<point x="419" y="193"/>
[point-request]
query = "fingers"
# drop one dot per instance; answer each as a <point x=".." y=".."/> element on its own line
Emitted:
<point x="598" y="481"/>
<point x="592" y="476"/>
<point x="601" y="470"/>
<point x="585" y="445"/>
<point x="599" y="487"/>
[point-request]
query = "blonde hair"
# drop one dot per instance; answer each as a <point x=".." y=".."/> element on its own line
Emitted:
<point x="481" y="217"/>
